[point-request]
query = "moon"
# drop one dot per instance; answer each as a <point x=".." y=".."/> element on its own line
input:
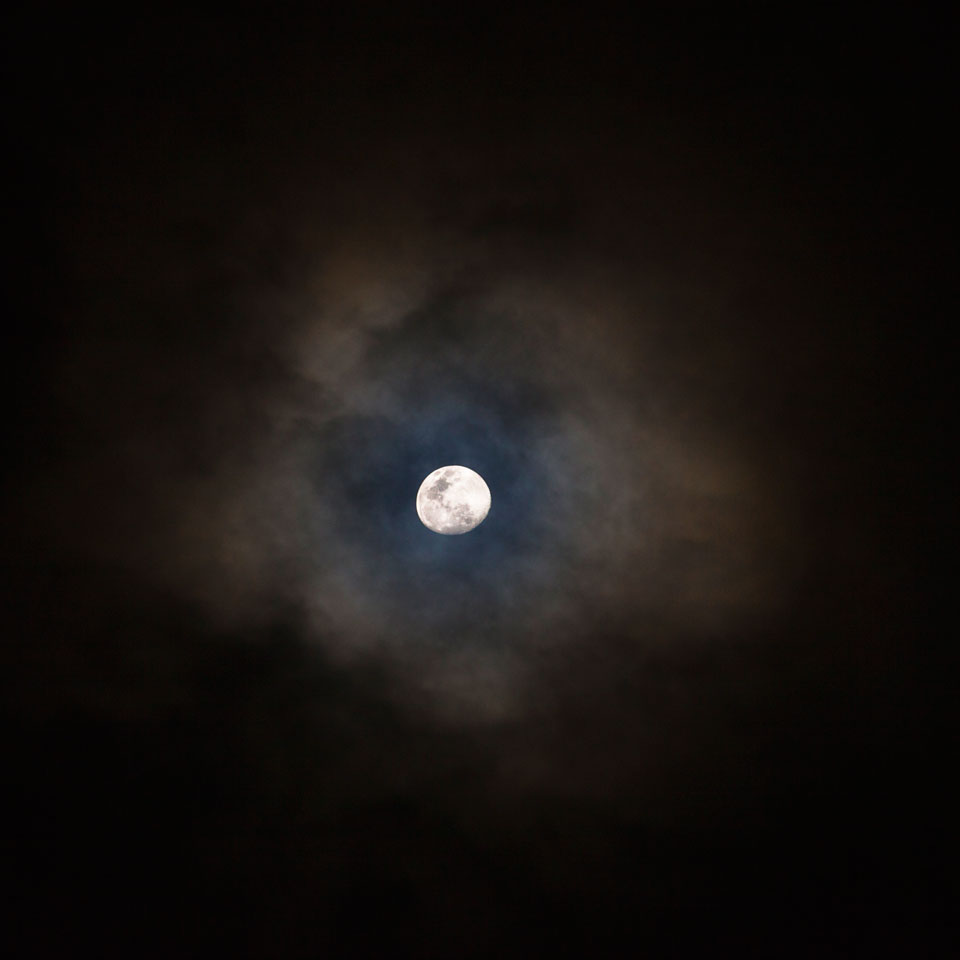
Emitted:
<point x="453" y="500"/>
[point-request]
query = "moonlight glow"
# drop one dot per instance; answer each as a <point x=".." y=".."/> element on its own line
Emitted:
<point x="453" y="500"/>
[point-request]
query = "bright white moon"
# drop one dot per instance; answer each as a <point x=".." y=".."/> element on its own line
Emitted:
<point x="453" y="500"/>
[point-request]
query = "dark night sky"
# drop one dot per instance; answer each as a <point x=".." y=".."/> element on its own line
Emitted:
<point x="671" y="285"/>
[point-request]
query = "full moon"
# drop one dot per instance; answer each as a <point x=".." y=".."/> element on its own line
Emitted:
<point x="453" y="500"/>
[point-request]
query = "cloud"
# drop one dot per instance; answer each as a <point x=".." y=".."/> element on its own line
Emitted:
<point x="274" y="374"/>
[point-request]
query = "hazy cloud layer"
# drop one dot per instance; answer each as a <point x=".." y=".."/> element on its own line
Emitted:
<point x="270" y="384"/>
<point x="669" y="289"/>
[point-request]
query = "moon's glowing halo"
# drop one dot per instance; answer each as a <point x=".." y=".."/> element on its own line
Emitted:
<point x="453" y="500"/>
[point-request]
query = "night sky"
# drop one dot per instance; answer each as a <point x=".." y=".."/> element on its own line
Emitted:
<point x="671" y="286"/>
